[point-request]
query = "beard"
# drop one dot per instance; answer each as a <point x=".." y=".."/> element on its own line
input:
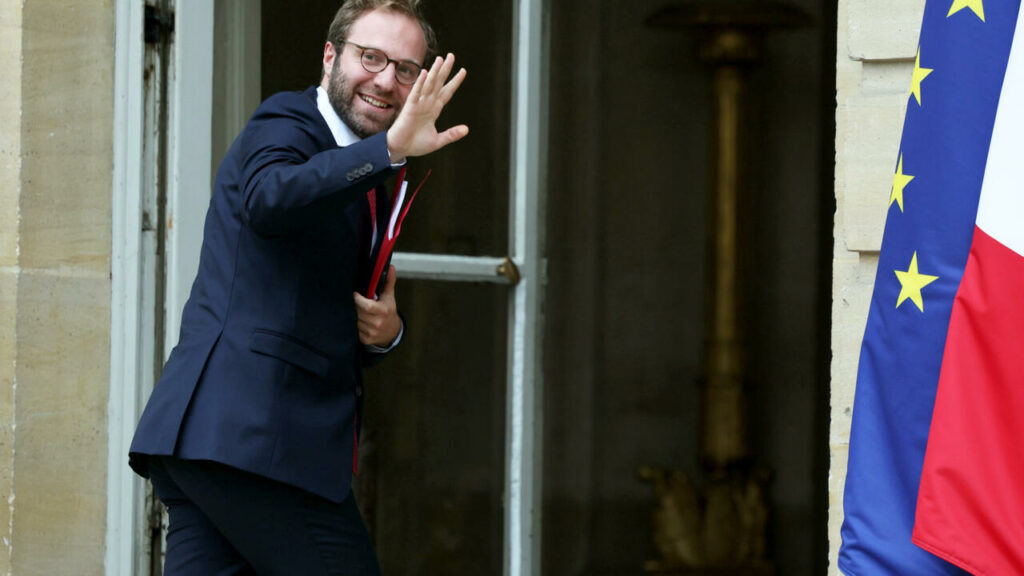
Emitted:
<point x="341" y="96"/>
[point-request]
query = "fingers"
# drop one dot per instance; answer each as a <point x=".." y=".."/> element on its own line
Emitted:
<point x="453" y="134"/>
<point x="367" y="308"/>
<point x="365" y="336"/>
<point x="449" y="89"/>
<point x="446" y="68"/>
<point x="432" y="75"/>
<point x="363" y="303"/>
<point x="369" y="318"/>
<point x="417" y="86"/>
<point x="414" y="132"/>
<point x="378" y="322"/>
<point x="438" y="74"/>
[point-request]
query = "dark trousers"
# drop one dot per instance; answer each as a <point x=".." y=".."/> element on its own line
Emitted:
<point x="227" y="522"/>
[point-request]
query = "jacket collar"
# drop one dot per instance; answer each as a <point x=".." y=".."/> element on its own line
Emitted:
<point x="343" y="135"/>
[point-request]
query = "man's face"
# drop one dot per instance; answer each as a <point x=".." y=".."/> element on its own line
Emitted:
<point x="369" y="102"/>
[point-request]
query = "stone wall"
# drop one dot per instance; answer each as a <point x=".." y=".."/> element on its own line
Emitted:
<point x="877" y="41"/>
<point x="56" y="113"/>
<point x="10" y="188"/>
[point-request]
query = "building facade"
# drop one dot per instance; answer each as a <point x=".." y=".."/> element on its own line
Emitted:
<point x="620" y="128"/>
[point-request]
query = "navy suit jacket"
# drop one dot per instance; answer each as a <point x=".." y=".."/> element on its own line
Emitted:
<point x="267" y="374"/>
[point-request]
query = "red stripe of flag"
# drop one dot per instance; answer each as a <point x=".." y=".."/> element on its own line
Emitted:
<point x="970" y="507"/>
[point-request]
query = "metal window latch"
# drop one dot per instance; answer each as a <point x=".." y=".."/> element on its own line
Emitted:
<point x="509" y="270"/>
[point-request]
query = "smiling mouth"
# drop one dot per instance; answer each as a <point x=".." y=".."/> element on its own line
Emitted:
<point x="374" y="102"/>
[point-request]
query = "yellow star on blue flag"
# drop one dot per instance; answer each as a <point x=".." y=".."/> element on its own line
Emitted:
<point x="975" y="6"/>
<point x="899" y="182"/>
<point x="912" y="282"/>
<point x="918" y="76"/>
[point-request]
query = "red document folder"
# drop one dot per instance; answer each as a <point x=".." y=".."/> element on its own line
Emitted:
<point x="399" y="208"/>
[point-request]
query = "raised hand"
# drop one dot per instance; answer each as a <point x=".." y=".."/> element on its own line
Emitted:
<point x="414" y="132"/>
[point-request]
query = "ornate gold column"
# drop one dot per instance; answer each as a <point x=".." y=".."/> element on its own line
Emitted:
<point x="721" y="529"/>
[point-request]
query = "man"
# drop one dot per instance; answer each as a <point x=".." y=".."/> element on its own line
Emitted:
<point x="250" y="436"/>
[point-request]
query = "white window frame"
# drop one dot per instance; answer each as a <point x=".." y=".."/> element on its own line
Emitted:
<point x="125" y="492"/>
<point x="133" y="332"/>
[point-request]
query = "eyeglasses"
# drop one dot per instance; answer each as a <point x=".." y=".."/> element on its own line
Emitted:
<point x="375" y="61"/>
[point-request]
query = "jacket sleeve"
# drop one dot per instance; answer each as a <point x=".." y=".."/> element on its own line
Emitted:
<point x="286" y="169"/>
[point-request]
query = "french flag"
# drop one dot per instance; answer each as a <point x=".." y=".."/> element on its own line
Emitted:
<point x="970" y="508"/>
<point x="935" y="483"/>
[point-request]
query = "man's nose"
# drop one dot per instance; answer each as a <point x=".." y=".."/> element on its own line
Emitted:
<point x="386" y="79"/>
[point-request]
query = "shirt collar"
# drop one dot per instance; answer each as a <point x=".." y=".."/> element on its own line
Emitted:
<point x="343" y="135"/>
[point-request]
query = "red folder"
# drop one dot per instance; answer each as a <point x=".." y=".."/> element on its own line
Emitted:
<point x="399" y="208"/>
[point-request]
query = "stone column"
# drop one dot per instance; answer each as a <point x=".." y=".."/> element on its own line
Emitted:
<point x="10" y="192"/>
<point x="56" y="154"/>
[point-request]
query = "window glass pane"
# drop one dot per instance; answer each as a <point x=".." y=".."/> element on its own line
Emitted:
<point x="464" y="207"/>
<point x="432" y="457"/>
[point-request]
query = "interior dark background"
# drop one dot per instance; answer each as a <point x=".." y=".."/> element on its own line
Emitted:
<point x="628" y="158"/>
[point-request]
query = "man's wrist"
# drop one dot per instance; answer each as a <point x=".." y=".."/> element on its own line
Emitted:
<point x="389" y="347"/>
<point x="397" y="158"/>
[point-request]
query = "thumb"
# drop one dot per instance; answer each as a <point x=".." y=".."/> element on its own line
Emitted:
<point x="454" y="134"/>
<point x="389" y="283"/>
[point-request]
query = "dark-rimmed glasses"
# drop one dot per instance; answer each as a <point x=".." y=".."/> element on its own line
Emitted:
<point x="375" y="61"/>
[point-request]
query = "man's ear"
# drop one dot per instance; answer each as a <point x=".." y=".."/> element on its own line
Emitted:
<point x="329" y="56"/>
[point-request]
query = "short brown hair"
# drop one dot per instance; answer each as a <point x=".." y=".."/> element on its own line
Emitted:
<point x="351" y="10"/>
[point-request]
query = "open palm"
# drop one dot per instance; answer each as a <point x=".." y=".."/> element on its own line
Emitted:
<point x="414" y="132"/>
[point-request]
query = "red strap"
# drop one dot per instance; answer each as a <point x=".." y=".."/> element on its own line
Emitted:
<point x="388" y="243"/>
<point x="371" y="199"/>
